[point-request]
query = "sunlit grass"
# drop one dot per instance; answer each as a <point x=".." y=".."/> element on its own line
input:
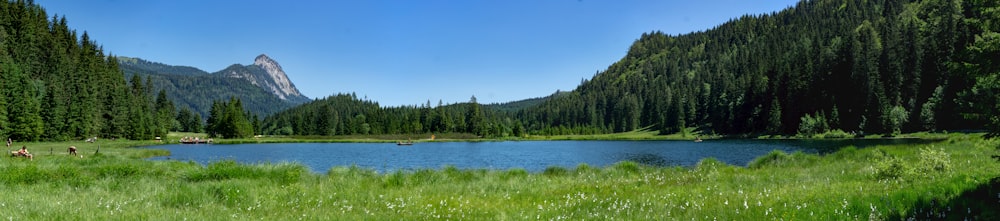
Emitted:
<point x="118" y="184"/>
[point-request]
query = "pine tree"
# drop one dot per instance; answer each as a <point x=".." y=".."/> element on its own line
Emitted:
<point x="474" y="120"/>
<point x="23" y="106"/>
<point x="5" y="85"/>
<point x="140" y="122"/>
<point x="184" y="117"/>
<point x="774" y="118"/>
<point x="214" y="124"/>
<point x="165" y="114"/>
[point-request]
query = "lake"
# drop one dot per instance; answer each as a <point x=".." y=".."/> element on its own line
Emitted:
<point x="533" y="156"/>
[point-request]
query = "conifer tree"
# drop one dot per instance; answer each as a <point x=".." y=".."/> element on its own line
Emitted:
<point x="165" y="114"/>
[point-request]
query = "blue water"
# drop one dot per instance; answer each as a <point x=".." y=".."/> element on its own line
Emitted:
<point x="533" y="156"/>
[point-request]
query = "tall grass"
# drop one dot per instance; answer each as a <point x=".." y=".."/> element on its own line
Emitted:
<point x="119" y="185"/>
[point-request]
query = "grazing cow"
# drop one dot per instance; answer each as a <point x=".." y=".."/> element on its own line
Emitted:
<point x="72" y="150"/>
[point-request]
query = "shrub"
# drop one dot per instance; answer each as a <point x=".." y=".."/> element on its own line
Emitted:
<point x="284" y="173"/>
<point x="891" y="168"/>
<point x="395" y="179"/>
<point x="837" y="134"/>
<point x="848" y="152"/>
<point x="774" y="158"/>
<point x="458" y="174"/>
<point x="627" y="166"/>
<point x="516" y="172"/>
<point x="932" y="160"/>
<point x="583" y="167"/>
<point x="555" y="171"/>
<point x="811" y="125"/>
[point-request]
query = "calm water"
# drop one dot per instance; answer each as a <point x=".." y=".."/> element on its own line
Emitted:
<point x="533" y="156"/>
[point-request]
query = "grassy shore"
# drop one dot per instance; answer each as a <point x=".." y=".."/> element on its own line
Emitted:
<point x="952" y="179"/>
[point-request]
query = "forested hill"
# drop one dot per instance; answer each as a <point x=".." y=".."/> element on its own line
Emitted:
<point x="57" y="84"/>
<point x="867" y="67"/>
<point x="194" y="89"/>
<point x="138" y="65"/>
<point x="846" y="66"/>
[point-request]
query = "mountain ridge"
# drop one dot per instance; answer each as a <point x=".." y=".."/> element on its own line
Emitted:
<point x="263" y="86"/>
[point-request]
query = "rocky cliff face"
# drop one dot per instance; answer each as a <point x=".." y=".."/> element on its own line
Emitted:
<point x="267" y="74"/>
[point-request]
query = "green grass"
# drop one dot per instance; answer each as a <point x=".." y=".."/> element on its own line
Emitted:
<point x="884" y="182"/>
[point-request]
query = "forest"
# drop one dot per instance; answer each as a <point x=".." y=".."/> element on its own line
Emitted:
<point x="864" y="67"/>
<point x="345" y="114"/>
<point x="854" y="67"/>
<point x="60" y="85"/>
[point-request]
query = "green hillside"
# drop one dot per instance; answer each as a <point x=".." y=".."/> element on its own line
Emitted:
<point x="196" y="89"/>
<point x="863" y="67"/>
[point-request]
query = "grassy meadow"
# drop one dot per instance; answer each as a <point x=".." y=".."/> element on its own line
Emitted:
<point x="952" y="179"/>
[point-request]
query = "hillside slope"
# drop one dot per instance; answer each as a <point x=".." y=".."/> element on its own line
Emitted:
<point x="867" y="67"/>
<point x="263" y="87"/>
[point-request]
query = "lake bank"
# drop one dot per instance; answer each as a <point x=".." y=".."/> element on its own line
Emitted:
<point x="883" y="182"/>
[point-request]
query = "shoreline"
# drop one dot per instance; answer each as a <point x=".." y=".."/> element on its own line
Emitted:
<point x="628" y="136"/>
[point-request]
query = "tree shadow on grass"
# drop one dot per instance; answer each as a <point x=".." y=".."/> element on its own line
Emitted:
<point x="981" y="203"/>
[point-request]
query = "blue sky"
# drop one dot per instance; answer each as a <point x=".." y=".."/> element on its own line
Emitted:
<point x="400" y="52"/>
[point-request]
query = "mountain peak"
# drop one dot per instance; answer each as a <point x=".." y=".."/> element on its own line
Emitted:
<point x="267" y="73"/>
<point x="263" y="59"/>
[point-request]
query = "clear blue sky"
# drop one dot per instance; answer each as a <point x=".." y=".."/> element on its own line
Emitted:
<point x="400" y="52"/>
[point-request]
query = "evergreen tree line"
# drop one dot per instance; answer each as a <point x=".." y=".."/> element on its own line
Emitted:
<point x="863" y="67"/>
<point x="230" y="120"/>
<point x="867" y="67"/>
<point x="58" y="86"/>
<point x="344" y="114"/>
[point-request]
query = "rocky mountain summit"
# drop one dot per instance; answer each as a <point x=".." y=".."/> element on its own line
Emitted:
<point x="267" y="74"/>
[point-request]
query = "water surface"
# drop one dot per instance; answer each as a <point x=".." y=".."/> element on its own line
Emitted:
<point x="530" y="155"/>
